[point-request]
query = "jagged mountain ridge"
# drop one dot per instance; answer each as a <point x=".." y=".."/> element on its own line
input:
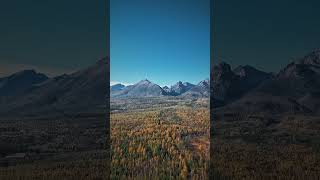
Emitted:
<point x="180" y="88"/>
<point x="296" y="88"/>
<point x="146" y="88"/>
<point x="229" y="85"/>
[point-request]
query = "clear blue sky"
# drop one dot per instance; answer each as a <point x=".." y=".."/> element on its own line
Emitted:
<point x="164" y="41"/>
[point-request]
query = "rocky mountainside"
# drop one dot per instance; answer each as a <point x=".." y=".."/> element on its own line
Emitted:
<point x="144" y="88"/>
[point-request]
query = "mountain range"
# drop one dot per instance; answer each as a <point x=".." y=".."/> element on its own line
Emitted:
<point x="146" y="88"/>
<point x="33" y="93"/>
<point x="295" y="88"/>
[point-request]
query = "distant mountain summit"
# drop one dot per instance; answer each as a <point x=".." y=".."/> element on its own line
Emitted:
<point x="143" y="88"/>
<point x="117" y="87"/>
<point x="202" y="89"/>
<point x="20" y="82"/>
<point x="166" y="89"/>
<point x="180" y="88"/>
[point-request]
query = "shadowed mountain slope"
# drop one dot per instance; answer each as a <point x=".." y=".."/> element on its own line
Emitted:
<point x="20" y="82"/>
<point x="84" y="90"/>
<point x="295" y="88"/>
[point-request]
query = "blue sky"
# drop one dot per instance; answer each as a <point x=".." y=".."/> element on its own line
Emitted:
<point x="164" y="41"/>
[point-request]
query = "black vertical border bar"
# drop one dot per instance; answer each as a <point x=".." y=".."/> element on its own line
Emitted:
<point x="107" y="110"/>
<point x="211" y="153"/>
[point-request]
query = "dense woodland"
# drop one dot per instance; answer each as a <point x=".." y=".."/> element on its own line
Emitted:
<point x="160" y="144"/>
